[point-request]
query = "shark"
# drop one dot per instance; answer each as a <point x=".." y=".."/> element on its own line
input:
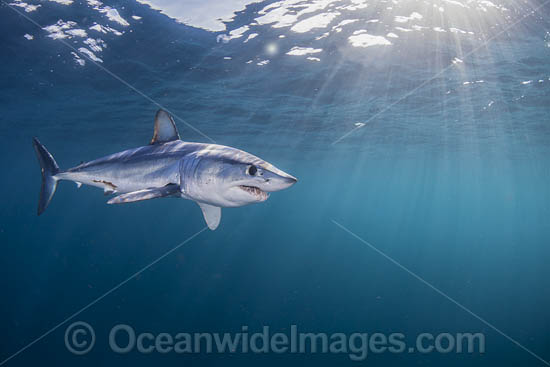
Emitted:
<point x="214" y="176"/>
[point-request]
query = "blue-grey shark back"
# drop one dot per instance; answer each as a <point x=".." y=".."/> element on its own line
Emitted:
<point x="213" y="175"/>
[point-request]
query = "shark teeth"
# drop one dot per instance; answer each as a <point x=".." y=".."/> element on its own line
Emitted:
<point x="261" y="195"/>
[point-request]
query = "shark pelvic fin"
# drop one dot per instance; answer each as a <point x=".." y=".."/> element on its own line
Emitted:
<point x="165" y="128"/>
<point x="159" y="192"/>
<point x="212" y="215"/>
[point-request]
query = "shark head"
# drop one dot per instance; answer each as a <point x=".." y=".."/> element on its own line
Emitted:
<point x="251" y="181"/>
<point x="228" y="177"/>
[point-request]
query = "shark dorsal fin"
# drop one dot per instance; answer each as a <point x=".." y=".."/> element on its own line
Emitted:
<point x="165" y="128"/>
<point x="212" y="215"/>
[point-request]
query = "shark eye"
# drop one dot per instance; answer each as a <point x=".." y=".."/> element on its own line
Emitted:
<point x="252" y="170"/>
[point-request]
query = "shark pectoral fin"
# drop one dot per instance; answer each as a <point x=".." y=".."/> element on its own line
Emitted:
<point x="165" y="128"/>
<point x="212" y="215"/>
<point x="146" y="194"/>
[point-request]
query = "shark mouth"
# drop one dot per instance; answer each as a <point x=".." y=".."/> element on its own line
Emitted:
<point x="258" y="193"/>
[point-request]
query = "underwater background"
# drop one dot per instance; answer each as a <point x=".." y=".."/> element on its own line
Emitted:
<point x="422" y="127"/>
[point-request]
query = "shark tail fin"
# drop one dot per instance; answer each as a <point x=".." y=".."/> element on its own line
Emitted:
<point x="49" y="169"/>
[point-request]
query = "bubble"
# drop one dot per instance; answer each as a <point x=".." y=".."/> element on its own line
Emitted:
<point x="223" y="38"/>
<point x="547" y="39"/>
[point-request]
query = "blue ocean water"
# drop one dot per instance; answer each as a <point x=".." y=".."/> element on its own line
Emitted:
<point x="422" y="155"/>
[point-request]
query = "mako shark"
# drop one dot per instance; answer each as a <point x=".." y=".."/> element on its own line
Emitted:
<point x="214" y="176"/>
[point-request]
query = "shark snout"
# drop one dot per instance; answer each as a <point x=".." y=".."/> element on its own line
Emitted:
<point x="277" y="181"/>
<point x="289" y="180"/>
